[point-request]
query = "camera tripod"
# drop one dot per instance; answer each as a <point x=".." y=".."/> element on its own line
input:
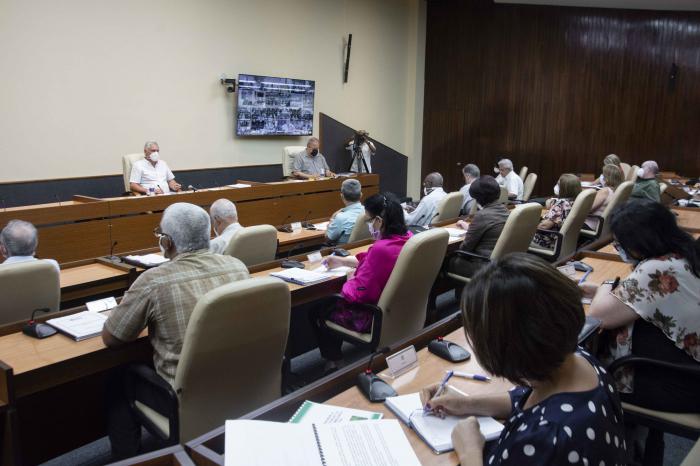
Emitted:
<point x="359" y="156"/>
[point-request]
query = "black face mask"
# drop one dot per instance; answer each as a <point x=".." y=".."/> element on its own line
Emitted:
<point x="314" y="152"/>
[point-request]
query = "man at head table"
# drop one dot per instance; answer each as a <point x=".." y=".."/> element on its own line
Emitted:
<point x="163" y="299"/>
<point x="18" y="243"/>
<point x="152" y="173"/>
<point x="310" y="163"/>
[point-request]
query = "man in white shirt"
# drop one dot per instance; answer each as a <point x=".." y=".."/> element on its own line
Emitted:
<point x="509" y="179"/>
<point x="423" y="214"/>
<point x="18" y="242"/>
<point x="471" y="173"/>
<point x="152" y="175"/>
<point x="224" y="221"/>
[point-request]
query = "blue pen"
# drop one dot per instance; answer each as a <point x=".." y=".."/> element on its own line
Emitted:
<point x="585" y="275"/>
<point x="481" y="378"/>
<point x="440" y="389"/>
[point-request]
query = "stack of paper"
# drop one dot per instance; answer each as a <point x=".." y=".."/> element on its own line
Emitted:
<point x="456" y="232"/>
<point x="146" y="260"/>
<point x="323" y="226"/>
<point x="336" y="272"/>
<point x="435" y="431"/>
<point x="301" y="276"/>
<point x="315" y="413"/>
<point x="80" y="326"/>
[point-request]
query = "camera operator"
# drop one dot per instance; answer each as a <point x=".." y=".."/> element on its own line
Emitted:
<point x="367" y="150"/>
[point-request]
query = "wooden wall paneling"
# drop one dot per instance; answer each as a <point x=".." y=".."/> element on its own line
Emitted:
<point x="74" y="241"/>
<point x="559" y="88"/>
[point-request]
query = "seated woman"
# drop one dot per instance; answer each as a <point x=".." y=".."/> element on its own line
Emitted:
<point x="485" y="228"/>
<point x="522" y="318"/>
<point x="565" y="191"/>
<point x="614" y="160"/>
<point x="372" y="270"/>
<point x="655" y="310"/>
<point x="611" y="179"/>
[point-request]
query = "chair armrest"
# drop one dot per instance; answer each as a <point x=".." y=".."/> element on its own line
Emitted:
<point x="145" y="375"/>
<point x="469" y="255"/>
<point x="327" y="305"/>
<point x="689" y="369"/>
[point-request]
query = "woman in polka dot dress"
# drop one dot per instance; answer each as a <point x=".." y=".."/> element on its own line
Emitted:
<point x="522" y="318"/>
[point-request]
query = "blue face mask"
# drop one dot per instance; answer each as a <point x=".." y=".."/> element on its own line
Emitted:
<point x="375" y="234"/>
<point x="626" y="257"/>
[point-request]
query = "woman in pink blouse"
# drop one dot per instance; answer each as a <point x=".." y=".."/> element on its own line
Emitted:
<point x="370" y="275"/>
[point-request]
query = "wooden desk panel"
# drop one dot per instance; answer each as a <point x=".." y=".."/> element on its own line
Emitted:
<point x="604" y="268"/>
<point x="47" y="214"/>
<point x="688" y="218"/>
<point x="74" y="241"/>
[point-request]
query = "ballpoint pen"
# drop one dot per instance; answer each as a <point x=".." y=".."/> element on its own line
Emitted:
<point x="585" y="275"/>
<point x="466" y="375"/>
<point x="440" y="389"/>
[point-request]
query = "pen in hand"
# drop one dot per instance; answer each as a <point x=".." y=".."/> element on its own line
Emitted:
<point x="438" y="392"/>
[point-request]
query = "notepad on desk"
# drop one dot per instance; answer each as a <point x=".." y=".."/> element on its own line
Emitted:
<point x="146" y="260"/>
<point x="80" y="326"/>
<point x="247" y="443"/>
<point x="301" y="276"/>
<point x="335" y="272"/>
<point x="433" y="430"/>
<point x="456" y="232"/>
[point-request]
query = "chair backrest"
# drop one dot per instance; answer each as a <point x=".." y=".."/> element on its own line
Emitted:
<point x="621" y="195"/>
<point x="529" y="186"/>
<point x="288" y="158"/>
<point x="571" y="227"/>
<point x="26" y="286"/>
<point x="632" y="174"/>
<point x="127" y="161"/>
<point x="503" y="198"/>
<point x="361" y="230"/>
<point x="625" y="169"/>
<point x="253" y="245"/>
<point x="232" y="353"/>
<point x="519" y="230"/>
<point x="693" y="458"/>
<point x="405" y="297"/>
<point x="523" y="172"/>
<point x="449" y="207"/>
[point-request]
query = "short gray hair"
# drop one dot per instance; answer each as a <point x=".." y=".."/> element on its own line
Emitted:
<point x="471" y="170"/>
<point x="223" y="208"/>
<point x="312" y="139"/>
<point x="651" y="167"/>
<point x="351" y="190"/>
<point x="506" y="163"/>
<point x="149" y="144"/>
<point x="19" y="238"/>
<point x="187" y="225"/>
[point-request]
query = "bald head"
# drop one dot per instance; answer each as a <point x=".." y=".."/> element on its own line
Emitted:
<point x="433" y="180"/>
<point x="18" y="238"/>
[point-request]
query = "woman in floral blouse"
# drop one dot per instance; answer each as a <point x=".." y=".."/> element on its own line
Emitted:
<point x="565" y="191"/>
<point x="655" y="311"/>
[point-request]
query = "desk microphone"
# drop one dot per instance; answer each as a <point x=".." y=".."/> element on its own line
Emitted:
<point x="285" y="227"/>
<point x="306" y="224"/>
<point x="192" y="188"/>
<point x="4" y="206"/>
<point x="374" y="388"/>
<point x="448" y="350"/>
<point x="38" y="330"/>
<point x="58" y="199"/>
<point x="112" y="257"/>
<point x="291" y="264"/>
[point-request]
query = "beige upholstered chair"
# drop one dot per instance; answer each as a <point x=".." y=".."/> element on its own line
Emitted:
<point x="288" y="158"/>
<point x="449" y="207"/>
<point x="253" y="245"/>
<point x="360" y="231"/>
<point x="523" y="172"/>
<point x="693" y="458"/>
<point x="632" y="174"/>
<point x="625" y="169"/>
<point x="26" y="286"/>
<point x="230" y="364"/>
<point x="402" y="306"/>
<point x="503" y="198"/>
<point x="529" y="186"/>
<point x="516" y="236"/>
<point x="622" y="194"/>
<point x="567" y="236"/>
<point x="127" y="162"/>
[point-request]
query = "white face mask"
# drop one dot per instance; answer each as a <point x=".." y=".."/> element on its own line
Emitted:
<point x="626" y="258"/>
<point x="496" y="170"/>
<point x="602" y="181"/>
<point x="556" y="189"/>
<point x="640" y="172"/>
<point x="162" y="249"/>
<point x="154" y="156"/>
<point x="375" y="234"/>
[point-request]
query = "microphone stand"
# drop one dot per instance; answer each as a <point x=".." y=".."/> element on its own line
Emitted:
<point x="374" y="388"/>
<point x="290" y="264"/>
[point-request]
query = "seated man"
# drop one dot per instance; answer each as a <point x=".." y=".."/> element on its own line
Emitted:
<point x="423" y="214"/>
<point x="646" y="186"/>
<point x="163" y="299"/>
<point x="343" y="221"/>
<point x="152" y="173"/>
<point x="224" y="221"/>
<point x="509" y="179"/>
<point x="310" y="163"/>
<point x="471" y="173"/>
<point x="18" y="242"/>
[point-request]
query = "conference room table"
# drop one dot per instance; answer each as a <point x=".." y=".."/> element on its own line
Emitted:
<point x="88" y="227"/>
<point x="56" y="383"/>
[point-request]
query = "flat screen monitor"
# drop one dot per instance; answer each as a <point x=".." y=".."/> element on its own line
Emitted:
<point x="270" y="106"/>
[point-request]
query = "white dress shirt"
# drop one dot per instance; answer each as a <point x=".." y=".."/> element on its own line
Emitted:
<point x="148" y="176"/>
<point x="512" y="183"/>
<point x="18" y="259"/>
<point x="218" y="244"/>
<point x="426" y="209"/>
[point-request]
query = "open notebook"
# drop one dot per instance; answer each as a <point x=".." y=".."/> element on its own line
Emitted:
<point x="360" y="443"/>
<point x="434" y="431"/>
